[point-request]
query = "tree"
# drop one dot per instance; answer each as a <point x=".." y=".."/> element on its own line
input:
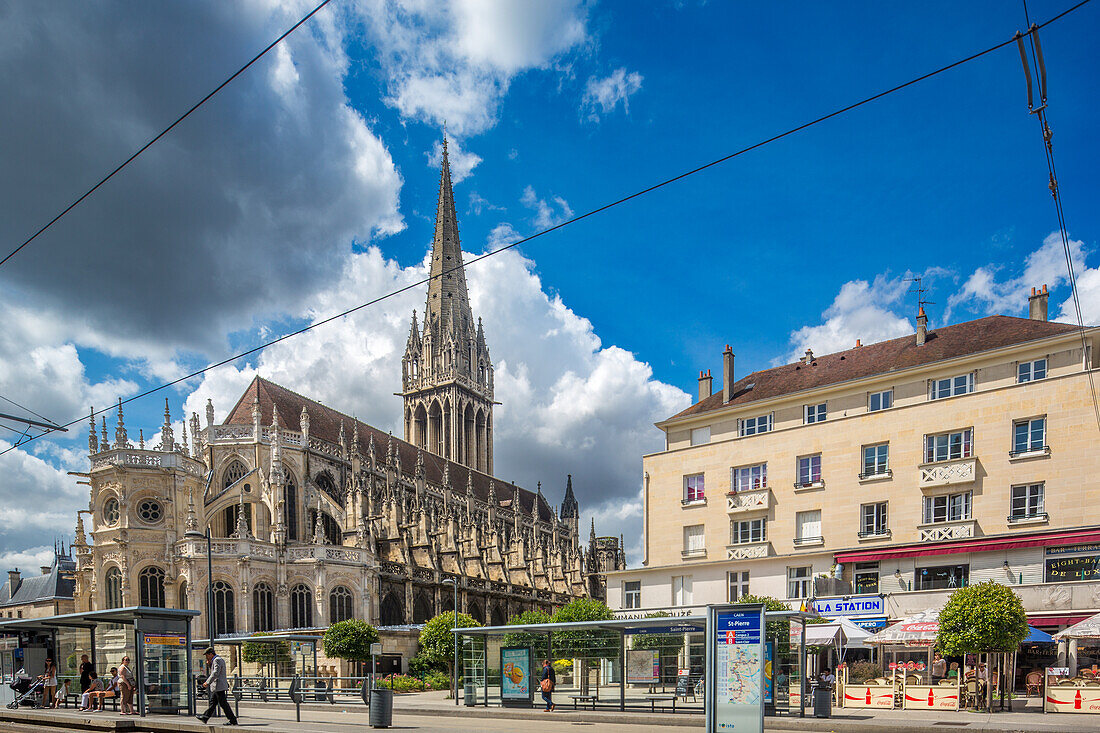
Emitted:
<point x="349" y="640"/>
<point x="527" y="639"/>
<point x="591" y="643"/>
<point x="778" y="629"/>
<point x="983" y="618"/>
<point x="987" y="617"/>
<point x="437" y="642"/>
<point x="263" y="652"/>
<point x="665" y="644"/>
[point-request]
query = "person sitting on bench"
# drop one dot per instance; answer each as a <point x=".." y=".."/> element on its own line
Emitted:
<point x="94" y="685"/>
<point x="110" y="691"/>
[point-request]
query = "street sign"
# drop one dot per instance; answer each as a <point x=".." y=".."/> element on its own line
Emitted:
<point x="735" y="669"/>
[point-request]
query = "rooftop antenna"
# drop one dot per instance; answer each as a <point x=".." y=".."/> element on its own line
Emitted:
<point x="920" y="290"/>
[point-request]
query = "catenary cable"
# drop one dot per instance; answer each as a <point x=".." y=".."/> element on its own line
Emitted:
<point x="573" y="220"/>
<point x="163" y="132"/>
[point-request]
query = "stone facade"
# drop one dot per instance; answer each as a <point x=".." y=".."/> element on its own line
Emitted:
<point x="316" y="517"/>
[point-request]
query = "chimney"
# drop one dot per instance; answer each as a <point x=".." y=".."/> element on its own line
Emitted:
<point x="727" y="374"/>
<point x="45" y="569"/>
<point x="13" y="582"/>
<point x="858" y="344"/>
<point x="706" y="385"/>
<point x="1037" y="304"/>
<point x="922" y="327"/>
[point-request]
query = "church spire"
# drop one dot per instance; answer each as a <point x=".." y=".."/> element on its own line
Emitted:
<point x="448" y="308"/>
<point x="569" y="508"/>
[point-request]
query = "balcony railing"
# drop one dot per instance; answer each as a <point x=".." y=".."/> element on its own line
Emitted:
<point x="939" y="531"/>
<point x="698" y="552"/>
<point x="748" y="550"/>
<point x="809" y="541"/>
<point x="884" y="473"/>
<point x="815" y="484"/>
<point x="1042" y="450"/>
<point x="874" y="534"/>
<point x="948" y="472"/>
<point x="1037" y="517"/>
<point x="748" y="501"/>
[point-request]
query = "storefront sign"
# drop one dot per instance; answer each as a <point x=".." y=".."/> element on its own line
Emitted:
<point x="643" y="666"/>
<point x="850" y="606"/>
<point x="735" y="651"/>
<point x="1068" y="549"/>
<point x="515" y="676"/>
<point x="878" y="622"/>
<point x="1085" y="567"/>
<point x="165" y="640"/>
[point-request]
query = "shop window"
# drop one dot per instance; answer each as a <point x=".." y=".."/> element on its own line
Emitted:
<point x="866" y="577"/>
<point x="943" y="576"/>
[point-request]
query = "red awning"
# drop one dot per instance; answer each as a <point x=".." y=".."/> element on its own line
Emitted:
<point x="1055" y="620"/>
<point x="984" y="544"/>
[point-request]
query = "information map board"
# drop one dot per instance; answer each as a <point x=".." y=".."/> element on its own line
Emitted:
<point x="735" y="667"/>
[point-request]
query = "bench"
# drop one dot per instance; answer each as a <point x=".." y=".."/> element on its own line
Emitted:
<point x="654" y="699"/>
<point x="584" y="700"/>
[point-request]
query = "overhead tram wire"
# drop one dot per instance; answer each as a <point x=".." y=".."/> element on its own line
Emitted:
<point x="163" y="132"/>
<point x="567" y="222"/>
<point x="1055" y="191"/>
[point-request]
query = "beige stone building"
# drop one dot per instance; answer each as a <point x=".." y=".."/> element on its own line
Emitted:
<point x="879" y="478"/>
<point x="317" y="517"/>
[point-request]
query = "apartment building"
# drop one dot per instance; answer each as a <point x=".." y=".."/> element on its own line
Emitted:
<point x="876" y="480"/>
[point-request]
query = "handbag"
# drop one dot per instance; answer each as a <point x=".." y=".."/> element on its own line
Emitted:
<point x="546" y="685"/>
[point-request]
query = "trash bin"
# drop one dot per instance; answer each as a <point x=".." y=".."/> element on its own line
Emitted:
<point x="469" y="694"/>
<point x="381" y="708"/>
<point x="823" y="700"/>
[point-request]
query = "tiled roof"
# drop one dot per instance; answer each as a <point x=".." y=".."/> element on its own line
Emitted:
<point x="58" y="583"/>
<point x="949" y="342"/>
<point x="324" y="423"/>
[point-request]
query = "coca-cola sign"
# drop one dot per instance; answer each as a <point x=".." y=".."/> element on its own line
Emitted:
<point x="921" y="627"/>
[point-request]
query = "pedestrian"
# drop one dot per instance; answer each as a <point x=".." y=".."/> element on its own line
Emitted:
<point x="126" y="688"/>
<point x="939" y="668"/>
<point x="216" y="685"/>
<point x="546" y="684"/>
<point x="60" y="697"/>
<point x="87" y="671"/>
<point x="49" y="682"/>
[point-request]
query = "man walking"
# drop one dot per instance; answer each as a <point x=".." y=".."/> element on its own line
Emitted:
<point x="216" y="686"/>
<point x="546" y="684"/>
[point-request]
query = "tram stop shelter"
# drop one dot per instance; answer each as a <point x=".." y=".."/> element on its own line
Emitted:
<point x="157" y="641"/>
<point x="645" y="664"/>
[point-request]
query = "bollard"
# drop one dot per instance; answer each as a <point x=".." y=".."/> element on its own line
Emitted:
<point x="295" y="694"/>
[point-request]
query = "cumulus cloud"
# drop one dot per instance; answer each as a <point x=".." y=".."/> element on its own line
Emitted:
<point x="602" y="96"/>
<point x="988" y="290"/>
<point x="548" y="212"/>
<point x="39" y="499"/>
<point x="242" y="211"/>
<point x="453" y="62"/>
<point x="861" y="310"/>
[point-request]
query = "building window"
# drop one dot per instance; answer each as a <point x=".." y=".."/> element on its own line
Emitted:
<point x="943" y="576"/>
<point x="112" y="588"/>
<point x="1029" y="371"/>
<point x="876" y="460"/>
<point x="809" y="470"/>
<point x="866" y="577"/>
<point x="150" y="511"/>
<point x="749" y="530"/>
<point x="1029" y="435"/>
<point x="750" y="478"/>
<point x="230" y="515"/>
<point x="693" y="540"/>
<point x="681" y="590"/>
<point x="234" y="473"/>
<point x="290" y="512"/>
<point x="798" y="582"/>
<point x="808" y="526"/>
<point x="110" y="512"/>
<point x="940" y="388"/>
<point x="301" y="607"/>
<point x="948" y="508"/>
<point x="1028" y="502"/>
<point x="700" y="436"/>
<point x="813" y="413"/>
<point x="880" y="400"/>
<point x="340" y="605"/>
<point x="948" y="446"/>
<point x="151" y="587"/>
<point x="693" y="488"/>
<point x="263" y="607"/>
<point x="755" y="425"/>
<point x="738" y="582"/>
<point x="632" y="594"/>
<point x="225" y="621"/>
<point x="872" y="520"/>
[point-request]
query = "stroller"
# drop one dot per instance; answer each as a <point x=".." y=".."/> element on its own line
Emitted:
<point x="26" y="688"/>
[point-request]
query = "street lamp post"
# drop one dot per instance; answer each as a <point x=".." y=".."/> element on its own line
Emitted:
<point x="454" y="617"/>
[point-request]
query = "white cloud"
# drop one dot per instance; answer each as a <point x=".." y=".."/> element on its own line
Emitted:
<point x="985" y="294"/>
<point x="453" y="63"/>
<point x="27" y="561"/>
<point x="601" y="96"/>
<point x="548" y="212"/>
<point x="861" y="310"/>
<point x="39" y="500"/>
<point x="463" y="161"/>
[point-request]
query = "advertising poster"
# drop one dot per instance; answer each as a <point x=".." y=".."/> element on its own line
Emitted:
<point x="769" y="672"/>
<point x="515" y="673"/>
<point x="643" y="666"/>
<point x="735" y="637"/>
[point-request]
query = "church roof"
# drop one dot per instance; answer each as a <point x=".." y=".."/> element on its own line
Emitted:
<point x="325" y="422"/>
<point x="948" y="342"/>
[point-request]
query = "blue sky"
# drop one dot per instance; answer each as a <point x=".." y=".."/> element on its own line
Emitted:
<point x="309" y="185"/>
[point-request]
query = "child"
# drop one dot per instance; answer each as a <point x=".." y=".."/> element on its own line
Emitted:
<point x="61" y="696"/>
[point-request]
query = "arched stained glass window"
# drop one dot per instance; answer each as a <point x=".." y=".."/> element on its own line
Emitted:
<point x="151" y="587"/>
<point x="340" y="605"/>
<point x="112" y="588"/>
<point x="301" y="607"/>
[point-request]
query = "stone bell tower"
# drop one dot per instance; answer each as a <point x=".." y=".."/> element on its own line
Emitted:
<point x="446" y="373"/>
